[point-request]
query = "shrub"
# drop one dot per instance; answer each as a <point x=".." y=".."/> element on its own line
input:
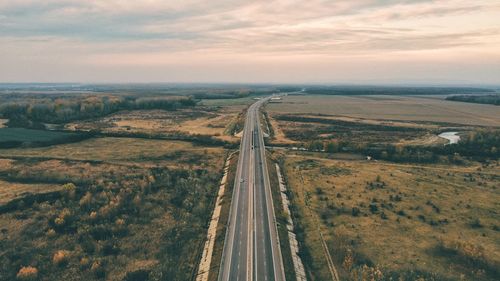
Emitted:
<point x="51" y="233"/>
<point x="69" y="190"/>
<point x="138" y="275"/>
<point x="86" y="200"/>
<point x="476" y="223"/>
<point x="355" y="211"/>
<point x="27" y="273"/>
<point x="110" y="247"/>
<point x="319" y="191"/>
<point x="101" y="232"/>
<point x="93" y="215"/>
<point x="84" y="262"/>
<point x="60" y="258"/>
<point x="468" y="253"/>
<point x="87" y="244"/>
<point x="98" y="269"/>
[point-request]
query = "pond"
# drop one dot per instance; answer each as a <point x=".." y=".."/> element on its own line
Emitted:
<point x="452" y="137"/>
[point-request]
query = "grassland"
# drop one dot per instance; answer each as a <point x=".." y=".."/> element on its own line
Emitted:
<point x="231" y="103"/>
<point x="406" y="108"/>
<point x="11" y="190"/>
<point x="120" y="150"/>
<point x="436" y="222"/>
<point x="20" y="136"/>
<point x="134" y="207"/>
<point x="207" y="121"/>
<point x="391" y="220"/>
<point x="131" y="199"/>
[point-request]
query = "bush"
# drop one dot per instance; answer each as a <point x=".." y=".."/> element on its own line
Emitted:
<point x="383" y="216"/>
<point x="98" y="269"/>
<point x="84" y="263"/>
<point x="110" y="247"/>
<point x="476" y="223"/>
<point x="469" y="254"/>
<point x="355" y="211"/>
<point x="60" y="258"/>
<point x="138" y="275"/>
<point x="27" y="273"/>
<point x="69" y="191"/>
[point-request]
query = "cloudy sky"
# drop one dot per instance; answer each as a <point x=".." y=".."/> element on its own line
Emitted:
<point x="313" y="41"/>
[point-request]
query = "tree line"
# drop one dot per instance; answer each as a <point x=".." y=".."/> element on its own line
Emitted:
<point x="484" y="99"/>
<point x="27" y="114"/>
<point x="479" y="145"/>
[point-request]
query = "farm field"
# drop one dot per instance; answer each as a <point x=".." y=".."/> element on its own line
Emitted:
<point x="438" y="222"/>
<point x="387" y="120"/>
<point x="406" y="108"/>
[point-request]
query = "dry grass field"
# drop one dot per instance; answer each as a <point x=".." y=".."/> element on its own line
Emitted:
<point x="10" y="191"/>
<point x="198" y="121"/>
<point x="407" y="108"/>
<point x="121" y="150"/>
<point x="364" y="120"/>
<point x="438" y="222"/>
<point x="138" y="207"/>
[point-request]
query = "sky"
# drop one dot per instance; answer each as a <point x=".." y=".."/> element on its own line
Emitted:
<point x="235" y="41"/>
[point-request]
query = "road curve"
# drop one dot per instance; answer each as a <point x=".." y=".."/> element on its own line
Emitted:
<point x="251" y="247"/>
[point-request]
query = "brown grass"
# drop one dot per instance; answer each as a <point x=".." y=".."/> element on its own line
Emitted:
<point x="27" y="273"/>
<point x="391" y="108"/>
<point x="224" y="217"/>
<point x="12" y="190"/>
<point x="188" y="121"/>
<point x="115" y="150"/>
<point x="416" y="207"/>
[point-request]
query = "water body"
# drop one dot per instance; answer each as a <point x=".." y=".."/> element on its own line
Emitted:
<point x="452" y="137"/>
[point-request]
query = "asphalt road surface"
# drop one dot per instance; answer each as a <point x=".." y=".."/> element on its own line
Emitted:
<point x="251" y="247"/>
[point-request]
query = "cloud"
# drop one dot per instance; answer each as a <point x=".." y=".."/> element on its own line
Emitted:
<point x="152" y="32"/>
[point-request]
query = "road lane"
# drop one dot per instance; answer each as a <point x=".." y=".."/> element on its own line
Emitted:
<point x="251" y="247"/>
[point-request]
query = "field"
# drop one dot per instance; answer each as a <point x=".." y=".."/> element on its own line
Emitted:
<point x="120" y="150"/>
<point x="399" y="220"/>
<point x="10" y="191"/>
<point x="367" y="124"/>
<point x="106" y="208"/>
<point x="18" y="136"/>
<point x="123" y="190"/>
<point x="438" y="221"/>
<point x="229" y="103"/>
<point x="208" y="121"/>
<point x="406" y="108"/>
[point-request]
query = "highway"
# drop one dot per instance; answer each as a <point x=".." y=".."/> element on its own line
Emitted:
<point x="251" y="246"/>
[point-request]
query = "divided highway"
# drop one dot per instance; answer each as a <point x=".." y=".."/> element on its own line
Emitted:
<point x="251" y="247"/>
